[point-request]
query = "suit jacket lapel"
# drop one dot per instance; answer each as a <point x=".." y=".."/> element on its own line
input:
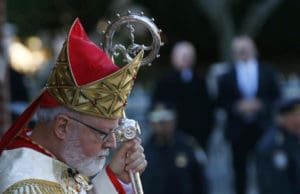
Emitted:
<point x="260" y="81"/>
<point x="234" y="82"/>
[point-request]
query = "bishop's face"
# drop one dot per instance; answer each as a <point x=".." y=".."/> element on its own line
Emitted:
<point x="88" y="143"/>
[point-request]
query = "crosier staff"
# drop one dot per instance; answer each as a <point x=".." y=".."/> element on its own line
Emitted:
<point x="129" y="129"/>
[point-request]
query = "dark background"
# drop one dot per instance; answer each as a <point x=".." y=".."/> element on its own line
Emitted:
<point x="278" y="39"/>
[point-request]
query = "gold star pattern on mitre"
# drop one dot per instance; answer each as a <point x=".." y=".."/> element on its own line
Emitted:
<point x="104" y="98"/>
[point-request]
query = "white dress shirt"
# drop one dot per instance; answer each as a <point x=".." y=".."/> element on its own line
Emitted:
<point x="247" y="77"/>
<point x="186" y="75"/>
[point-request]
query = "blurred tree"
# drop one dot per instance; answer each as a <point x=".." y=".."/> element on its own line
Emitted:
<point x="210" y="24"/>
<point x="32" y="16"/>
<point x="226" y="26"/>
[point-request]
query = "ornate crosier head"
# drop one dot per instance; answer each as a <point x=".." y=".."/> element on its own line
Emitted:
<point x="130" y="22"/>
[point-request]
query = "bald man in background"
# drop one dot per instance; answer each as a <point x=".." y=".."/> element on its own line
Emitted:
<point x="184" y="88"/>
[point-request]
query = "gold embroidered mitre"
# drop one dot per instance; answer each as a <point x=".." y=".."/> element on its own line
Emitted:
<point x="103" y="96"/>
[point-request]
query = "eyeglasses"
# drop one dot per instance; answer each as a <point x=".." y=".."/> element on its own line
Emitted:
<point x="103" y="136"/>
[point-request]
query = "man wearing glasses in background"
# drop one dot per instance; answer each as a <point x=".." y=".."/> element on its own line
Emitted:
<point x="78" y="113"/>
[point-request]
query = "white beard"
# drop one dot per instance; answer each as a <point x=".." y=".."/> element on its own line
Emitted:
<point x="88" y="166"/>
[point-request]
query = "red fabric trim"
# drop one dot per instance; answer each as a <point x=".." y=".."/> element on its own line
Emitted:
<point x="23" y="140"/>
<point x="48" y="101"/>
<point x="114" y="180"/>
<point x="19" y="124"/>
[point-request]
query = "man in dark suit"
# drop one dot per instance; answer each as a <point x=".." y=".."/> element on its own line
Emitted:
<point x="187" y="91"/>
<point x="247" y="93"/>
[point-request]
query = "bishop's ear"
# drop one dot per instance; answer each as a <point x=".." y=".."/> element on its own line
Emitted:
<point x="61" y="126"/>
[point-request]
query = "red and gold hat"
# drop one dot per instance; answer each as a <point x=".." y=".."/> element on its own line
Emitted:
<point x="86" y="80"/>
<point x="83" y="79"/>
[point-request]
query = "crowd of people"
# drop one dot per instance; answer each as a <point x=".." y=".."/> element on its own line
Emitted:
<point x="67" y="149"/>
<point x="250" y="94"/>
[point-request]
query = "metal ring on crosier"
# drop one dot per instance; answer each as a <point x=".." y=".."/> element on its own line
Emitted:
<point x="133" y="49"/>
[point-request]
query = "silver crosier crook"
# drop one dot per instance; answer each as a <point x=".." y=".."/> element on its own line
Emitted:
<point x="128" y="128"/>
